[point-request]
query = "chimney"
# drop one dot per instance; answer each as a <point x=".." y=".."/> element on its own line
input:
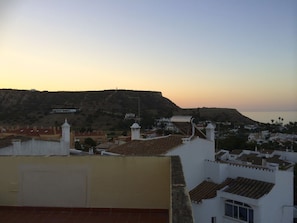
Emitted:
<point x="210" y="132"/>
<point x="66" y="132"/>
<point x="135" y="131"/>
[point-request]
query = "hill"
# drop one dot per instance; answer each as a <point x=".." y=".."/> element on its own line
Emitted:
<point x="218" y="115"/>
<point x="97" y="109"/>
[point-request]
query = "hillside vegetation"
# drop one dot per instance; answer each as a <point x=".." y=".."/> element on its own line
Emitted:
<point x="98" y="109"/>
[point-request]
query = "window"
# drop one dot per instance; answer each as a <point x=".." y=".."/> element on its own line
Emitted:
<point x="213" y="220"/>
<point x="239" y="210"/>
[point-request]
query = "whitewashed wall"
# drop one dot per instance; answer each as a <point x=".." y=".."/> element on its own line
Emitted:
<point x="218" y="172"/>
<point x="275" y="207"/>
<point x="193" y="154"/>
<point x="36" y="147"/>
<point x="290" y="156"/>
<point x="204" y="211"/>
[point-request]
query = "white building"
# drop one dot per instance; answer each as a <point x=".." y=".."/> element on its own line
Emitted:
<point x="221" y="192"/>
<point x="236" y="193"/>
<point x="22" y="146"/>
<point x="193" y="149"/>
<point x="271" y="159"/>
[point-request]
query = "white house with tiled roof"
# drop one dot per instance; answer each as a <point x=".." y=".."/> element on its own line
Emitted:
<point x="233" y="193"/>
<point x="220" y="192"/>
<point x="193" y="148"/>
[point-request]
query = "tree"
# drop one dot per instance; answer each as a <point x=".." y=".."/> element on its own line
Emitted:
<point x="77" y="145"/>
<point x="89" y="142"/>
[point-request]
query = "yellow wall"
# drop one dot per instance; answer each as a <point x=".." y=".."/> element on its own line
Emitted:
<point x="117" y="182"/>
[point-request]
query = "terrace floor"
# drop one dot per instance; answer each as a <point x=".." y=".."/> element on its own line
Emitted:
<point x="78" y="215"/>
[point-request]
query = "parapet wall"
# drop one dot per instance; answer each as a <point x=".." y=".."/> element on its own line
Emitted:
<point x="219" y="171"/>
<point x="85" y="181"/>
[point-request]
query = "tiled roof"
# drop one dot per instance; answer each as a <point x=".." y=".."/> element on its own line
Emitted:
<point x="207" y="190"/>
<point x="250" y="188"/>
<point x="257" y="160"/>
<point x="251" y="158"/>
<point x="34" y="131"/>
<point x="240" y="186"/>
<point x="155" y="146"/>
<point x="276" y="159"/>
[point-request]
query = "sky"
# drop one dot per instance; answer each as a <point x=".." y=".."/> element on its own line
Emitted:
<point x="204" y="53"/>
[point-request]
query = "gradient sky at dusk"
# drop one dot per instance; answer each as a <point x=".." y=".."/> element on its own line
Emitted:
<point x="205" y="53"/>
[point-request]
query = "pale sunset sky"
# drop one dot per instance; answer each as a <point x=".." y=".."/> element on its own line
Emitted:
<point x="204" y="53"/>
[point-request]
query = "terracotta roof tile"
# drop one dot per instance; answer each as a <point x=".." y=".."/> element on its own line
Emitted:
<point x="207" y="190"/>
<point x="281" y="163"/>
<point x="250" y="188"/>
<point x="34" y="131"/>
<point x="251" y="158"/>
<point x="240" y="186"/>
<point x="257" y="160"/>
<point x="155" y="146"/>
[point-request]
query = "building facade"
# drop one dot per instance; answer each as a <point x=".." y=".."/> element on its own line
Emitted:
<point x="235" y="193"/>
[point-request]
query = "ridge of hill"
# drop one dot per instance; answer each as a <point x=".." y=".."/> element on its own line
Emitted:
<point x="98" y="109"/>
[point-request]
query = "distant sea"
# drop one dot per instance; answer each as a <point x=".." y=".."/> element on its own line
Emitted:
<point x="266" y="116"/>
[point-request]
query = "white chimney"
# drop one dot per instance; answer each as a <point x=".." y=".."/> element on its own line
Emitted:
<point x="66" y="132"/>
<point x="210" y="135"/>
<point x="135" y="131"/>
